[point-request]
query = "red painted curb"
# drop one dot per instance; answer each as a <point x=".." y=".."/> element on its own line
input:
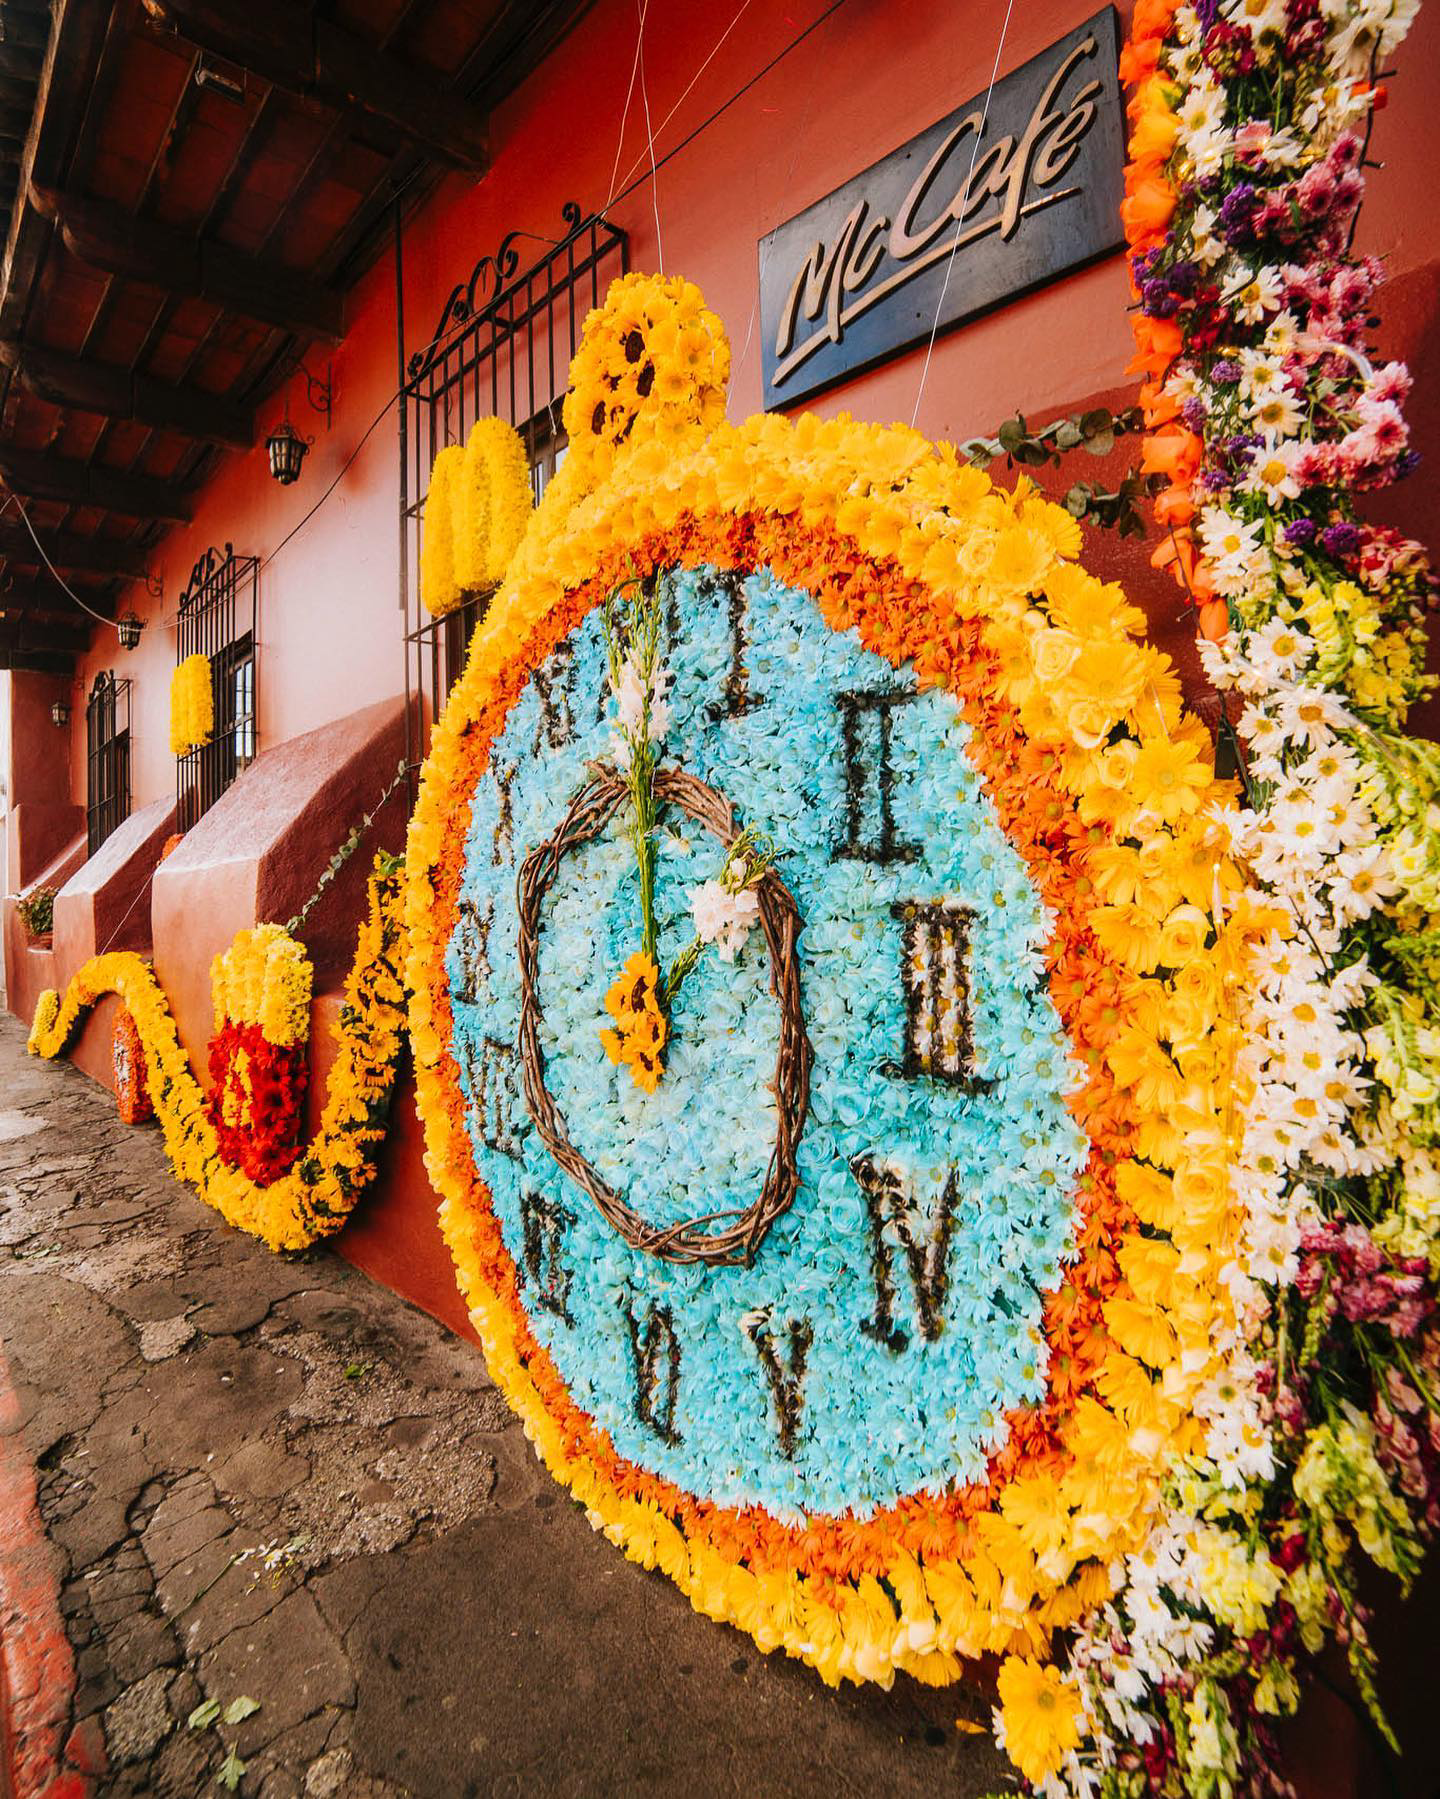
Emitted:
<point x="37" y="1668"/>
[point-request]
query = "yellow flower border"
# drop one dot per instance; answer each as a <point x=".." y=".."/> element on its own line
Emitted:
<point x="1108" y="710"/>
<point x="318" y="1195"/>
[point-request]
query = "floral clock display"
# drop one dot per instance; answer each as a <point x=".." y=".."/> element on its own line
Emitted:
<point x="127" y="1054"/>
<point x="823" y="969"/>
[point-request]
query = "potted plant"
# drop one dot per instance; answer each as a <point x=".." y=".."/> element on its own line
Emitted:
<point x="37" y="915"/>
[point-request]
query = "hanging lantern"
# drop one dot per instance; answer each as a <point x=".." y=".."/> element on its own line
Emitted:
<point x="128" y="627"/>
<point x="60" y="714"/>
<point x="286" y="449"/>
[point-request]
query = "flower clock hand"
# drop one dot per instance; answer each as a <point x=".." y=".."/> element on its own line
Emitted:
<point x="726" y="907"/>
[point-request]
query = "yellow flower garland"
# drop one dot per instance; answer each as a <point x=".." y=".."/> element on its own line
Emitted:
<point x="440" y="590"/>
<point x="192" y="705"/>
<point x="492" y="503"/>
<point x="476" y="512"/>
<point x="317" y="1196"/>
<point x="1105" y="710"/>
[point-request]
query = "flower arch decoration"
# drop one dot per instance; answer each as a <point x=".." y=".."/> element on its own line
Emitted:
<point x="1015" y="829"/>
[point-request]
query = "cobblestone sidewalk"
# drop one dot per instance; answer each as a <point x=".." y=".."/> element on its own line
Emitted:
<point x="293" y="1526"/>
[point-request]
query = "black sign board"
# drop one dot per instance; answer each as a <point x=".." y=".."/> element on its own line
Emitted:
<point x="955" y="221"/>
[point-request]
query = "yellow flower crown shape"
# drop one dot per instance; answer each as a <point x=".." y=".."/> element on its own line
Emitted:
<point x="476" y="512"/>
<point x="264" y="978"/>
<point x="1080" y="735"/>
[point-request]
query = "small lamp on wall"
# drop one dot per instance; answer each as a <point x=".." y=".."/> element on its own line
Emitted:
<point x="128" y="628"/>
<point x="60" y="714"/>
<point x="286" y="449"/>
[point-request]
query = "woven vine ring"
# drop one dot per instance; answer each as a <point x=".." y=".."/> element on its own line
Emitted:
<point x="590" y="811"/>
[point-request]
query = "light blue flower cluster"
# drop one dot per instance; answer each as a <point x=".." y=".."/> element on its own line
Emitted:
<point x="878" y="1418"/>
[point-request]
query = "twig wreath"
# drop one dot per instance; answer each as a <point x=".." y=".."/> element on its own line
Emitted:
<point x="589" y="812"/>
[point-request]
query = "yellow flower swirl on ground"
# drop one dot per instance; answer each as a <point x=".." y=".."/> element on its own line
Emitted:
<point x="315" y="1199"/>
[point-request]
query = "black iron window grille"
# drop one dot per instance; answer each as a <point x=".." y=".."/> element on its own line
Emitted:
<point x="107" y="758"/>
<point x="502" y="348"/>
<point x="217" y="620"/>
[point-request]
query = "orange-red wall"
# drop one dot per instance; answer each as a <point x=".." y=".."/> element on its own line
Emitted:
<point x="868" y="78"/>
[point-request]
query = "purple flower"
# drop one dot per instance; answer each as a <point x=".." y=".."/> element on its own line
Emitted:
<point x="1225" y="371"/>
<point x="1194" y="414"/>
<point x="1158" y="301"/>
<point x="1300" y="531"/>
<point x="1406" y="463"/>
<point x="1237" y="213"/>
<point x="1340" y="539"/>
<point x="1184" y="277"/>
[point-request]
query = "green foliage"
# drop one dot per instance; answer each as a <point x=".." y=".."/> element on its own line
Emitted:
<point x="347" y="849"/>
<point x="1096" y="432"/>
<point x="37" y="910"/>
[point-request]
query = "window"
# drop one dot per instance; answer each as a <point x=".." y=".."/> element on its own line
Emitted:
<point x="107" y="758"/>
<point x="502" y="348"/>
<point x="217" y="620"/>
<point x="548" y="444"/>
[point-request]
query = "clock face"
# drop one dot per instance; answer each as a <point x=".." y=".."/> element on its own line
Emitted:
<point x="891" y="1316"/>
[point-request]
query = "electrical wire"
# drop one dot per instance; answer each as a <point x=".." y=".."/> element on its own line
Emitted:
<point x="340" y="475"/>
<point x="625" y="111"/>
<point x="650" y="138"/>
<point x="725" y="105"/>
<point x="745" y="6"/>
<point x="14" y="499"/>
<point x="950" y="262"/>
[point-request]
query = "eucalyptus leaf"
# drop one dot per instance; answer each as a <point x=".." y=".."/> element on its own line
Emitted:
<point x="230" y="1771"/>
<point x="204" y="1715"/>
<point x="240" y="1709"/>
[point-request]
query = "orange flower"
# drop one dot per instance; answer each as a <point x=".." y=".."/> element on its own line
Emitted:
<point x="1174" y="506"/>
<point x="1172" y="451"/>
<point x="1215" y="621"/>
<point x="1147" y="210"/>
<point x="1157" y="343"/>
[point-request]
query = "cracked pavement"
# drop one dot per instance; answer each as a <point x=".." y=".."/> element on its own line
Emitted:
<point x="270" y="1479"/>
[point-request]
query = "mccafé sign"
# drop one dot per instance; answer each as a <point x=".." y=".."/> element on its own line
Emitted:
<point x="1003" y="200"/>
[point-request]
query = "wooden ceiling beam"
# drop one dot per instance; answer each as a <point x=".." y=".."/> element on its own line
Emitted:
<point x="116" y="393"/>
<point x="45" y="477"/>
<point x="50" y="600"/>
<point x="65" y="637"/>
<point x="110" y="238"/>
<point x="310" y="56"/>
<point x="73" y="554"/>
<point x="21" y="662"/>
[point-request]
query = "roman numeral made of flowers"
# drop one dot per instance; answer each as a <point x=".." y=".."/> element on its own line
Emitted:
<point x="724" y="908"/>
